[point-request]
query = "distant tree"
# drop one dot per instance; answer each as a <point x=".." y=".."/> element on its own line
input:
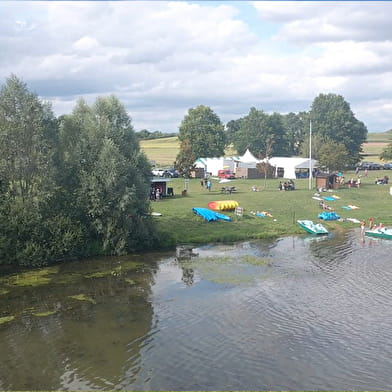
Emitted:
<point x="333" y="120"/>
<point x="186" y="158"/>
<point x="317" y="144"/>
<point x="333" y="156"/>
<point x="232" y="127"/>
<point x="258" y="130"/>
<point x="296" y="128"/>
<point x="204" y="132"/>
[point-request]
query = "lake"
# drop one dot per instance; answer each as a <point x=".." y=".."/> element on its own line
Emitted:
<point x="297" y="313"/>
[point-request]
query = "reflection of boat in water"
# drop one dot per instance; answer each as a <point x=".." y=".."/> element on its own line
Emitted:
<point x="312" y="228"/>
<point x="382" y="232"/>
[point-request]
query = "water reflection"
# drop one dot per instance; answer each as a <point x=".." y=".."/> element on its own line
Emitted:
<point x="297" y="313"/>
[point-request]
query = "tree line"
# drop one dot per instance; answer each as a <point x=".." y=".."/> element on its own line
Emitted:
<point x="70" y="187"/>
<point x="337" y="136"/>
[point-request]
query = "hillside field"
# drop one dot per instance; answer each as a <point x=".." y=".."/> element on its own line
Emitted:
<point x="163" y="152"/>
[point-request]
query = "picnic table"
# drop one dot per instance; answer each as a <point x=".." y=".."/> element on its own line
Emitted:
<point x="228" y="189"/>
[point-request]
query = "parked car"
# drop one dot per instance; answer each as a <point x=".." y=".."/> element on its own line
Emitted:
<point x="158" y="172"/>
<point x="370" y="166"/>
<point x="171" y="173"/>
<point x="388" y="166"/>
<point x="225" y="173"/>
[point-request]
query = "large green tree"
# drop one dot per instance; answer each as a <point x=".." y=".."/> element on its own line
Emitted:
<point x="27" y="139"/>
<point x="333" y="119"/>
<point x="204" y="131"/>
<point x="109" y="176"/>
<point x="262" y="133"/>
<point x="33" y="229"/>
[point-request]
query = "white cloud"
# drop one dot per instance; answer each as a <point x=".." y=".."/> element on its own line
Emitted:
<point x="161" y="58"/>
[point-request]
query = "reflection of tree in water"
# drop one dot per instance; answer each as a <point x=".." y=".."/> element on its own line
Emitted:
<point x="93" y="343"/>
<point x="187" y="275"/>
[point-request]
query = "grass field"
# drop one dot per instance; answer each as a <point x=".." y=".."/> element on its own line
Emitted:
<point x="163" y="151"/>
<point x="179" y="225"/>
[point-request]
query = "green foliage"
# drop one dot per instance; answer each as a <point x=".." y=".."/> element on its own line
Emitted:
<point x="27" y="137"/>
<point x="186" y="158"/>
<point x="262" y="134"/>
<point x="333" y="120"/>
<point x="144" y="134"/>
<point x="386" y="154"/>
<point x="317" y="143"/>
<point x="333" y="156"/>
<point x="296" y="129"/>
<point x="112" y="176"/>
<point x="204" y="131"/>
<point x="232" y="128"/>
<point x="71" y="187"/>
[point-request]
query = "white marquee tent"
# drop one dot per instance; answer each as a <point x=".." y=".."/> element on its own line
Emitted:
<point x="290" y="165"/>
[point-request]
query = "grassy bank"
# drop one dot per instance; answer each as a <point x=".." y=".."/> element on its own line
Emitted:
<point x="178" y="223"/>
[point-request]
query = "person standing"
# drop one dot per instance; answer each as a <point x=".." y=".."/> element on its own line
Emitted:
<point x="209" y="185"/>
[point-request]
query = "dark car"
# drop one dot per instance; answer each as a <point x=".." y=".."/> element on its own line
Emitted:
<point x="388" y="166"/>
<point x="171" y="173"/>
<point x="370" y="166"/>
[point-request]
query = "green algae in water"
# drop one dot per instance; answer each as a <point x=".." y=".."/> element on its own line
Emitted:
<point x="6" y="319"/>
<point x="43" y="314"/>
<point x="82" y="297"/>
<point x="33" y="278"/>
<point x="223" y="270"/>
<point x="256" y="260"/>
<point x="130" y="281"/>
<point x="124" y="266"/>
<point x="4" y="291"/>
<point x="100" y="274"/>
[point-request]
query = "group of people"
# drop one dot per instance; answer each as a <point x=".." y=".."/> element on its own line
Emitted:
<point x="354" y="183"/>
<point x="382" y="181"/>
<point x="372" y="225"/>
<point x="206" y="183"/>
<point x="155" y="194"/>
<point x="286" y="186"/>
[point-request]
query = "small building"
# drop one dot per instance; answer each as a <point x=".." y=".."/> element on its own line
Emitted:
<point x="327" y="181"/>
<point x="161" y="184"/>
<point x="198" y="172"/>
<point x="248" y="172"/>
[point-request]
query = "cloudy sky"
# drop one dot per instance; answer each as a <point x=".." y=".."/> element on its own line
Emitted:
<point x="162" y="58"/>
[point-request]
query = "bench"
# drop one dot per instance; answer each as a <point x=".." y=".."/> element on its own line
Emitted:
<point x="228" y="189"/>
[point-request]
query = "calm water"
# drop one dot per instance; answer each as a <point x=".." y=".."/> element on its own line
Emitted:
<point x="298" y="313"/>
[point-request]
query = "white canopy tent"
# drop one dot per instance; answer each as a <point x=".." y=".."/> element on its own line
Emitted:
<point x="290" y="165"/>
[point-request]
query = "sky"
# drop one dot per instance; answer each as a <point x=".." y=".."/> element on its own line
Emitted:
<point x="161" y="58"/>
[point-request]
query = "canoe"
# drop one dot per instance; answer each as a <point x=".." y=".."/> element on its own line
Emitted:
<point x="382" y="232"/>
<point x="223" y="205"/>
<point x="209" y="215"/>
<point x="312" y="228"/>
